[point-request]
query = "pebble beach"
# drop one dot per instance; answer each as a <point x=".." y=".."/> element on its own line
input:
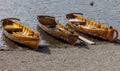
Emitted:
<point x="59" y="55"/>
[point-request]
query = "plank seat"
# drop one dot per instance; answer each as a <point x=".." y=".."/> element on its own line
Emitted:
<point x="12" y="28"/>
<point x="76" y="21"/>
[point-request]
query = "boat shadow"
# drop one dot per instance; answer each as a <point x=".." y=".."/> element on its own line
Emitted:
<point x="53" y="41"/>
<point x="81" y="44"/>
<point x="43" y="49"/>
<point x="97" y="40"/>
<point x="58" y="43"/>
<point x="117" y="42"/>
<point x="11" y="45"/>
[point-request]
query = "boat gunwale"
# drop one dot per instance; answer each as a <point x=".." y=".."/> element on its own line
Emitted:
<point x="51" y="33"/>
<point x="21" y="39"/>
<point x="109" y="31"/>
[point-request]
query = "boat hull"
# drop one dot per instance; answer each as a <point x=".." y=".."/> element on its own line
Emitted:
<point x="89" y="27"/>
<point x="70" y="38"/>
<point x="29" y="40"/>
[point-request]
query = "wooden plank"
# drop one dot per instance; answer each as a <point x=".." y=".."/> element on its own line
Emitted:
<point x="86" y="40"/>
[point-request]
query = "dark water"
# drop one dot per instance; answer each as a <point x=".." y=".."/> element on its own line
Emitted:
<point x="106" y="12"/>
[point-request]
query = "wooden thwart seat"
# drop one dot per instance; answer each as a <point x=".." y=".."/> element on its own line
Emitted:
<point x="12" y="28"/>
<point x="76" y="21"/>
<point x="21" y="34"/>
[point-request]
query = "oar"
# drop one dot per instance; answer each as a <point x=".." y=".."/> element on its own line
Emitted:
<point x="86" y="40"/>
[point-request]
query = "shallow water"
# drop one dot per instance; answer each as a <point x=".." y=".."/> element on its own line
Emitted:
<point x="105" y="12"/>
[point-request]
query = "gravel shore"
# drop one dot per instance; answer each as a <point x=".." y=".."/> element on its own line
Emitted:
<point x="60" y="56"/>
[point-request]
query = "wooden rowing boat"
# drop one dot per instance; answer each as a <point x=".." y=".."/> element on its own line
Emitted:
<point x="19" y="33"/>
<point x="49" y="25"/>
<point x="89" y="27"/>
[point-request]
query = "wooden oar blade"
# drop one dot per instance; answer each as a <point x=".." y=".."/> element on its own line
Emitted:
<point x="86" y="40"/>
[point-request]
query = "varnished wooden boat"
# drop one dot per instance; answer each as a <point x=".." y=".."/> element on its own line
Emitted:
<point x="19" y="33"/>
<point x="49" y="25"/>
<point x="89" y="27"/>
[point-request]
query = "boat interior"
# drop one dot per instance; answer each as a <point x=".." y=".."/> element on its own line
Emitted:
<point x="17" y="29"/>
<point x="47" y="21"/>
<point x="50" y="22"/>
<point x="84" y="23"/>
